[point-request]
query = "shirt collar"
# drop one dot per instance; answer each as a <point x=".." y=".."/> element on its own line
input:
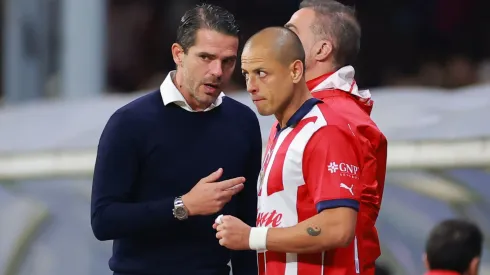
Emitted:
<point x="316" y="81"/>
<point x="170" y="94"/>
<point x="343" y="80"/>
<point x="299" y="114"/>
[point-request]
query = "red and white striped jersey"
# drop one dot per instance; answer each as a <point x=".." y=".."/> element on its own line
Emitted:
<point x="313" y="163"/>
<point x="330" y="154"/>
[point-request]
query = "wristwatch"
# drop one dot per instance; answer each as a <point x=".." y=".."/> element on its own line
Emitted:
<point x="180" y="212"/>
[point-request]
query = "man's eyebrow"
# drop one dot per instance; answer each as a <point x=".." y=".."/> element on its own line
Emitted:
<point x="206" y="54"/>
<point x="213" y="56"/>
<point x="231" y="57"/>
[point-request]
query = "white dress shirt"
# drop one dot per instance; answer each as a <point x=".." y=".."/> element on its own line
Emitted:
<point x="170" y="94"/>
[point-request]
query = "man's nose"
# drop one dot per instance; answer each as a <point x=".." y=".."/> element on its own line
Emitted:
<point x="216" y="68"/>
<point x="252" y="87"/>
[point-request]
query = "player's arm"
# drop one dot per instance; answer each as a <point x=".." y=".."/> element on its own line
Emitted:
<point x="336" y="195"/>
<point x="113" y="214"/>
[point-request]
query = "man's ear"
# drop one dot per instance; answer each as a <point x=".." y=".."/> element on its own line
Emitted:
<point x="177" y="54"/>
<point x="323" y="50"/>
<point x="426" y="262"/>
<point x="474" y="266"/>
<point x="297" y="71"/>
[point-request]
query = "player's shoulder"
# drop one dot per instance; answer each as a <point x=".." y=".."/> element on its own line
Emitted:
<point x="329" y="123"/>
<point x="331" y="115"/>
<point x="142" y="103"/>
<point x="317" y="118"/>
<point x="353" y="120"/>
<point x="139" y="109"/>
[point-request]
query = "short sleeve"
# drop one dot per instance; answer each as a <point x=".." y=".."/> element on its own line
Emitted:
<point x="332" y="168"/>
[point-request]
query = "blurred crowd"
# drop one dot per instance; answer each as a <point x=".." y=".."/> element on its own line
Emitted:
<point x="437" y="43"/>
<point x="441" y="43"/>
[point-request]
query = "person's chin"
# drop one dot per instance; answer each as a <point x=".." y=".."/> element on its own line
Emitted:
<point x="207" y="100"/>
<point x="264" y="111"/>
<point x="207" y="94"/>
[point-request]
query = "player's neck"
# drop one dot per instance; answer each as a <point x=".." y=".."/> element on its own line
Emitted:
<point x="301" y="95"/>
<point x="319" y="70"/>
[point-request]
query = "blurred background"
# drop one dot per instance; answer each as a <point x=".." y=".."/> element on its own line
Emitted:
<point x="67" y="65"/>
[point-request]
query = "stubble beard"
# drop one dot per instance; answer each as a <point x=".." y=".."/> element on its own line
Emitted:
<point x="192" y="87"/>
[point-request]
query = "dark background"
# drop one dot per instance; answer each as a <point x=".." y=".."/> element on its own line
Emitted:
<point x="442" y="43"/>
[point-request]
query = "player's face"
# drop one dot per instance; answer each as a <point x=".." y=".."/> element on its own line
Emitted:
<point x="300" y="23"/>
<point x="268" y="81"/>
<point x="207" y="66"/>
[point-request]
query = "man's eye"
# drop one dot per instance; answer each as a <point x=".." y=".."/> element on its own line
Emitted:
<point x="203" y="57"/>
<point x="262" y="74"/>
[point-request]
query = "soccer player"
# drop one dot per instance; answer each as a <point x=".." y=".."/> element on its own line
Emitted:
<point x="453" y="247"/>
<point x="172" y="160"/>
<point x="314" y="214"/>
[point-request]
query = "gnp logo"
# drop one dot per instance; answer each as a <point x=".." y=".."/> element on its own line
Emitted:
<point x="345" y="170"/>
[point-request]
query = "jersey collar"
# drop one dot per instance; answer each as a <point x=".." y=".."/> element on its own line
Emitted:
<point x="343" y="80"/>
<point x="299" y="114"/>
<point x="316" y="81"/>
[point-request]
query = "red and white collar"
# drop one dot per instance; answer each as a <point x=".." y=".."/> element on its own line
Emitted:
<point x="342" y="79"/>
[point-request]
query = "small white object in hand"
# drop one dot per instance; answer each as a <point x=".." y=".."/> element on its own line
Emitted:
<point x="218" y="219"/>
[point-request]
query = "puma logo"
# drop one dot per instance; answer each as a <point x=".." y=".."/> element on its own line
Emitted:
<point x="343" y="185"/>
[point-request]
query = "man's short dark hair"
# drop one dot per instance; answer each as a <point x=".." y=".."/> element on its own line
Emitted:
<point x="452" y="245"/>
<point x="338" y="23"/>
<point x="205" y="16"/>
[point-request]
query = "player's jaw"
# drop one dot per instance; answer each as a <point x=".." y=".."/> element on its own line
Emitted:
<point x="263" y="105"/>
<point x="206" y="92"/>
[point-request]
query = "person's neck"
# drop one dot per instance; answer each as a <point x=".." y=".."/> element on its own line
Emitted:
<point x="301" y="95"/>
<point x="319" y="70"/>
<point x="178" y="80"/>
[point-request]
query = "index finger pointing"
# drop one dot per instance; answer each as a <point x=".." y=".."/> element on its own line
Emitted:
<point x="227" y="184"/>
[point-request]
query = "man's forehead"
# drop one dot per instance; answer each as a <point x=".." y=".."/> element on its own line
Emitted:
<point x="213" y="51"/>
<point x="214" y="43"/>
<point x="253" y="54"/>
<point x="301" y="18"/>
<point x="254" y="62"/>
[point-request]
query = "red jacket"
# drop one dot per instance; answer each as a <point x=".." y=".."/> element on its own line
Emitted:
<point x="340" y="92"/>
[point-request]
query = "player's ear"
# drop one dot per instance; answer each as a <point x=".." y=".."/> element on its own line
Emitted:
<point x="177" y="54"/>
<point x="297" y="69"/>
<point x="323" y="49"/>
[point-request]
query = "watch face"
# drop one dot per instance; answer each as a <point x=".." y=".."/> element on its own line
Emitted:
<point x="180" y="212"/>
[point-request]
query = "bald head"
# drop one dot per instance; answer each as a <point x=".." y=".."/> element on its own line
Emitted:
<point x="273" y="64"/>
<point x="283" y="44"/>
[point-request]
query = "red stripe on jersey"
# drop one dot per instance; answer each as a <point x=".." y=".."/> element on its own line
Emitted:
<point x="308" y="264"/>
<point x="271" y="143"/>
<point x="276" y="263"/>
<point x="274" y="181"/>
<point x="261" y="262"/>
